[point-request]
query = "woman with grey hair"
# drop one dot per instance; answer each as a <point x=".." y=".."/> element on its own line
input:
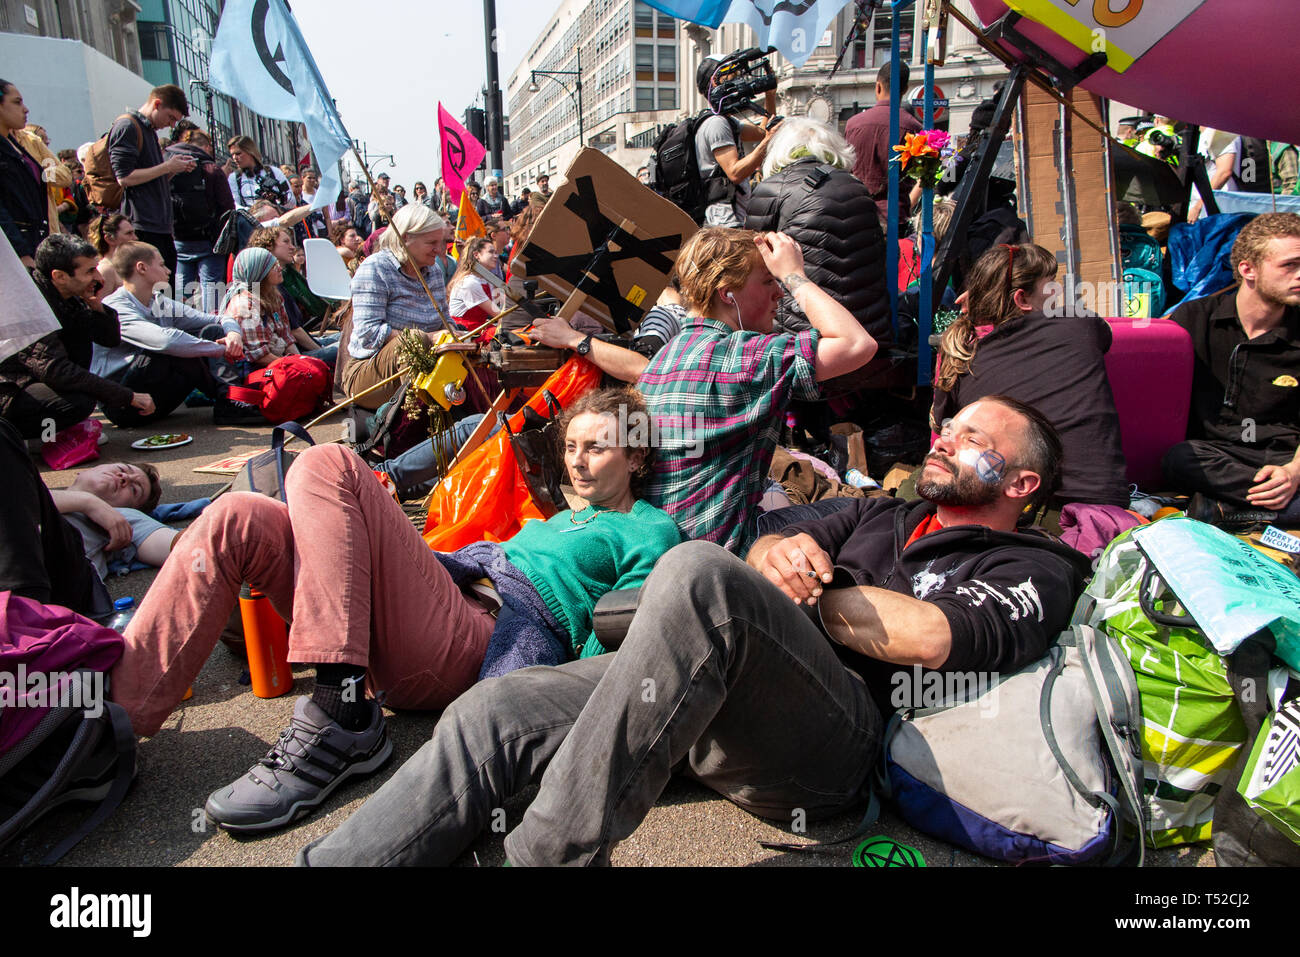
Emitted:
<point x="809" y="193"/>
<point x="387" y="297"/>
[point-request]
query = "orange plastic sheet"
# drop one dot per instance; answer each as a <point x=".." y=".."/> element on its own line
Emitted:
<point x="484" y="497"/>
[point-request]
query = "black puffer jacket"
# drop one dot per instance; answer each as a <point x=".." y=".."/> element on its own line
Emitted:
<point x="838" y="227"/>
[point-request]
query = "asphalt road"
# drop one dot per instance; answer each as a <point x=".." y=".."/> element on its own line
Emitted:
<point x="223" y="729"/>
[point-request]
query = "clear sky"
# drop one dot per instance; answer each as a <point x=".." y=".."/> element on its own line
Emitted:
<point x="388" y="62"/>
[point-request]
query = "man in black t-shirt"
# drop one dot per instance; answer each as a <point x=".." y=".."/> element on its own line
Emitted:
<point x="140" y="168"/>
<point x="1242" y="456"/>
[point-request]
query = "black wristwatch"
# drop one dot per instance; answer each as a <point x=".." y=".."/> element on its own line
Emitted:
<point x="584" y="346"/>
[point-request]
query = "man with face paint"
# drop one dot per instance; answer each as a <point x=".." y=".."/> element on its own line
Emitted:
<point x="751" y="662"/>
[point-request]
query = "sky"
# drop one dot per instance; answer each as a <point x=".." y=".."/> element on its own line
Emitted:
<point x="388" y="62"/>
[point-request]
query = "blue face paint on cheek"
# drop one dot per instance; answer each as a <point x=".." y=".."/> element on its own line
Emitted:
<point x="990" y="467"/>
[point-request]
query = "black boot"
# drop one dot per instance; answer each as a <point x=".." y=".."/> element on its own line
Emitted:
<point x="1225" y="515"/>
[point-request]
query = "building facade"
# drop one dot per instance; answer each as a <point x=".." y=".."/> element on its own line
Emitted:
<point x="108" y="26"/>
<point x="630" y="82"/>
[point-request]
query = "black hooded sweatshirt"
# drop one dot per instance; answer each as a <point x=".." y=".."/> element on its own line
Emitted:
<point x="1006" y="595"/>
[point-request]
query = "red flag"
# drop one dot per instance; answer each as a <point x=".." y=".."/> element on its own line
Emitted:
<point x="461" y="153"/>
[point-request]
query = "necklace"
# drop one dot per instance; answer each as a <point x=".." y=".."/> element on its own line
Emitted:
<point x="573" y="516"/>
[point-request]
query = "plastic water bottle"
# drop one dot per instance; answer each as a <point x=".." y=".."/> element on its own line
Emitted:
<point x="856" y="478"/>
<point x="123" y="612"/>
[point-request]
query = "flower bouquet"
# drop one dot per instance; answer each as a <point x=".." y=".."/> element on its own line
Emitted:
<point x="925" y="156"/>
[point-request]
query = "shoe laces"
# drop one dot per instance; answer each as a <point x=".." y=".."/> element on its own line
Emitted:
<point x="280" y="757"/>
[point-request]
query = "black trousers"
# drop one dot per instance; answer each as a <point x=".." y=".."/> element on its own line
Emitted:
<point x="165" y="244"/>
<point x="168" y="380"/>
<point x="37" y="406"/>
<point x="1221" y="470"/>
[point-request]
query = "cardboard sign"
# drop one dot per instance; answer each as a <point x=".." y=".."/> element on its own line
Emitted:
<point x="608" y="237"/>
<point x="1124" y="29"/>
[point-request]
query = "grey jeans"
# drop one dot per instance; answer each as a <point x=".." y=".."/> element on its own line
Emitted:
<point x="720" y="677"/>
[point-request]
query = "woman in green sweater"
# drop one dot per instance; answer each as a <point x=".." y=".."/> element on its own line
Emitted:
<point x="371" y="604"/>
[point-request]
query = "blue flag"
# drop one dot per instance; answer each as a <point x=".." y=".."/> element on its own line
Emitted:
<point x="709" y="13"/>
<point x="260" y="58"/>
<point x="794" y="27"/>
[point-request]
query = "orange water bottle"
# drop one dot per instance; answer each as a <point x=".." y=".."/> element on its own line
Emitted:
<point x="266" y="638"/>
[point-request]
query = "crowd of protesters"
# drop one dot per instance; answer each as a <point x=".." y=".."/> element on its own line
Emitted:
<point x="778" y="302"/>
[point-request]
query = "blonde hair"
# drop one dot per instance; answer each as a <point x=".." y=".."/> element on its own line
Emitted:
<point x="412" y="219"/>
<point x="715" y="258"/>
<point x="1252" y="242"/>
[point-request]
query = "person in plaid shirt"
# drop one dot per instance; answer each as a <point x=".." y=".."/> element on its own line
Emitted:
<point x="254" y="299"/>
<point x="717" y="391"/>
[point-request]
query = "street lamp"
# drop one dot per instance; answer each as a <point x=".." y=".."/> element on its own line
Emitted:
<point x="575" y="93"/>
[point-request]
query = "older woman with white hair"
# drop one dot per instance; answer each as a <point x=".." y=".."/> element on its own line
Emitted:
<point x="809" y="193"/>
<point x="387" y="297"/>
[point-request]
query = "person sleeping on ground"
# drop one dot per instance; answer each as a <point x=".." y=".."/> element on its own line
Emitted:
<point x="370" y="603"/>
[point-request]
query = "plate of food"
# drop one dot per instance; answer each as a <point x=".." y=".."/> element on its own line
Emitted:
<point x="167" y="440"/>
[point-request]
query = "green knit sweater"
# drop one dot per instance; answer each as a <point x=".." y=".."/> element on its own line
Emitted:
<point x="574" y="565"/>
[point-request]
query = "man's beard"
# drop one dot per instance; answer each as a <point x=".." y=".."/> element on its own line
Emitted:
<point x="964" y="489"/>
<point x="1277" y="295"/>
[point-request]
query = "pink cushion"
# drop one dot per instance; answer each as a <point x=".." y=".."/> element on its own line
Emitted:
<point x="1150" y="370"/>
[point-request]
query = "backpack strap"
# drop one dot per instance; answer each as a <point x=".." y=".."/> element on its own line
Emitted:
<point x="1125" y="724"/>
<point x="124" y="745"/>
<point x="277" y="444"/>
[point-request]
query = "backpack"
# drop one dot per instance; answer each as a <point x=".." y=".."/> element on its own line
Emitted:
<point x="264" y="472"/>
<point x="100" y="182"/>
<point x="289" y="388"/>
<point x="1277" y="151"/>
<point x="62" y="750"/>
<point x="674" y="169"/>
<point x="1041" y="767"/>
<point x="194" y="215"/>
<point x="1256" y="166"/>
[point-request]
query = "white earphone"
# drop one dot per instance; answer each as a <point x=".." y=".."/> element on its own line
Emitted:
<point x="731" y="298"/>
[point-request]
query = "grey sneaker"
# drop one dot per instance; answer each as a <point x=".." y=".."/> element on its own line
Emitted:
<point x="313" y="757"/>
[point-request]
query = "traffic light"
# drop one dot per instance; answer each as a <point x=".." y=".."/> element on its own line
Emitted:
<point x="476" y="123"/>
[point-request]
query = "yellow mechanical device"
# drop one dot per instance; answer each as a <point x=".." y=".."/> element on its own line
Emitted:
<point x="445" y="385"/>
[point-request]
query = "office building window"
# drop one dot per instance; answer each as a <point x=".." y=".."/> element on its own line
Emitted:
<point x="645" y="19"/>
<point x="154" y="42"/>
<point x="645" y="61"/>
<point x="667" y="62"/>
<point x="667" y="97"/>
<point x="645" y="98"/>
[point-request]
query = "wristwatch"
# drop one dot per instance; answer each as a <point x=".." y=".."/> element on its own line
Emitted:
<point x="583" y="347"/>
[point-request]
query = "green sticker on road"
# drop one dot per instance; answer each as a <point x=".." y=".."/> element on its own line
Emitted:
<point x="882" y="852"/>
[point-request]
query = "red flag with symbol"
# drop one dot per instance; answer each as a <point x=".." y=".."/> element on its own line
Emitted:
<point x="461" y="153"/>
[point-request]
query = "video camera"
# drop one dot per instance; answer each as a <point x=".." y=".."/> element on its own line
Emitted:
<point x="740" y="78"/>
<point x="270" y="188"/>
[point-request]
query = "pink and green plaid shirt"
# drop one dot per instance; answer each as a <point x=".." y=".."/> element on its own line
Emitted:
<point x="716" y="397"/>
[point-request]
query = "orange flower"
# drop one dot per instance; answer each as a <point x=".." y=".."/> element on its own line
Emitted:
<point x="915" y="145"/>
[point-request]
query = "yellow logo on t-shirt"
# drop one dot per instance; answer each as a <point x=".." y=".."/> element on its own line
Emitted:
<point x="1288" y="381"/>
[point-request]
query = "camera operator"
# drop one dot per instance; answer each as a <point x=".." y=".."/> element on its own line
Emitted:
<point x="251" y="180"/>
<point x="723" y="169"/>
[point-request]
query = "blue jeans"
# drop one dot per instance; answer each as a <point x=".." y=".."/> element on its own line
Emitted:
<point x="777" y="519"/>
<point x="197" y="264"/>
<point x="721" y="677"/>
<point x="328" y="354"/>
<point x="417" y="470"/>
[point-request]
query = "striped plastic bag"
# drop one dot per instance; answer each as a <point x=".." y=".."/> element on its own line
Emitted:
<point x="1193" y="733"/>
